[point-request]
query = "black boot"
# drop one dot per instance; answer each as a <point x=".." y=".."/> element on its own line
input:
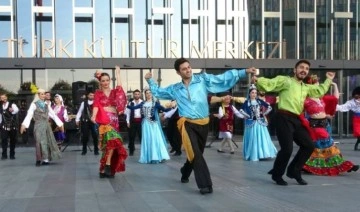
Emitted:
<point x="354" y="168"/>
<point x="184" y="179"/>
<point x="357" y="144"/>
<point x="84" y="149"/>
<point x="107" y="171"/>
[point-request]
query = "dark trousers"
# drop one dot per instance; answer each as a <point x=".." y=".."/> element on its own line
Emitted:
<point x="357" y="143"/>
<point x="135" y="128"/>
<point x="173" y="135"/>
<point x="5" y="135"/>
<point x="198" y="135"/>
<point x="88" y="128"/>
<point x="289" y="129"/>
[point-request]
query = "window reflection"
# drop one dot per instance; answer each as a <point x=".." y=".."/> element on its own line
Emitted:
<point x="102" y="28"/>
<point x="24" y="27"/>
<point x="10" y="80"/>
<point x="63" y="28"/>
<point x="83" y="3"/>
<point x="306" y="6"/>
<point x="130" y="79"/>
<point x="5" y="32"/>
<point x="307" y="38"/>
<point x="272" y="5"/>
<point x="272" y="33"/>
<point x="46" y="2"/>
<point x="5" y="2"/>
<point x="340" y="39"/>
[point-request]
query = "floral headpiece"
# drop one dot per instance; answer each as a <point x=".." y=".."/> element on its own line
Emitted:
<point x="33" y="88"/>
<point x="252" y="87"/>
<point x="312" y="79"/>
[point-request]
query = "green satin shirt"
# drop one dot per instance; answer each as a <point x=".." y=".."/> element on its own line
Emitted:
<point x="292" y="93"/>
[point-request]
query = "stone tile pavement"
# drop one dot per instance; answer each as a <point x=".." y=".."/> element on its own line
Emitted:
<point x="73" y="184"/>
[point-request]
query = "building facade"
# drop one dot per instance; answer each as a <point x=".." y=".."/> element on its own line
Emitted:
<point x="48" y="42"/>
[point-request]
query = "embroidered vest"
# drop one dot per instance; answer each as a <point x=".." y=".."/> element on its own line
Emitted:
<point x="87" y="112"/>
<point x="8" y="119"/>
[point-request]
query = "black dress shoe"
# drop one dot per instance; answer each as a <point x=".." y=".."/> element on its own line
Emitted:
<point x="12" y="157"/>
<point x="102" y="175"/>
<point x="83" y="153"/>
<point x="172" y="150"/>
<point x="271" y="171"/>
<point x="131" y="153"/>
<point x="183" y="179"/>
<point x="107" y="170"/>
<point x="45" y="163"/>
<point x="299" y="180"/>
<point x="279" y="181"/>
<point x="206" y="190"/>
<point x="220" y="151"/>
<point x="38" y="163"/>
<point x="177" y="153"/>
<point x="354" y="168"/>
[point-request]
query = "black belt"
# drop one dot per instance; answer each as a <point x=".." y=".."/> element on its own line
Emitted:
<point x="318" y="123"/>
<point x="288" y="113"/>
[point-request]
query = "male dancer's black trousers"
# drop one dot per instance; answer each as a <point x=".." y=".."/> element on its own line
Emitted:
<point x="289" y="129"/>
<point x="135" y="128"/>
<point x="5" y="135"/>
<point x="198" y="135"/>
<point x="87" y="129"/>
<point x="173" y="135"/>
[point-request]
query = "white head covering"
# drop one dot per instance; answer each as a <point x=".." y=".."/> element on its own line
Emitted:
<point x="60" y="98"/>
<point x="36" y="96"/>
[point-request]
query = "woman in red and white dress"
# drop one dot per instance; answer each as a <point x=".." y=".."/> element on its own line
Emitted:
<point x="226" y="125"/>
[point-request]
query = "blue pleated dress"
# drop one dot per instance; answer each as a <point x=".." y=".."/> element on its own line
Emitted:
<point x="153" y="142"/>
<point x="257" y="143"/>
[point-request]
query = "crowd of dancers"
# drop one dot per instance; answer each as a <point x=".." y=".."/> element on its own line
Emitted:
<point x="303" y="115"/>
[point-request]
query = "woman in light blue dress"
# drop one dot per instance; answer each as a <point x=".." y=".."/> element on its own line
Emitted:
<point x="257" y="143"/>
<point x="153" y="142"/>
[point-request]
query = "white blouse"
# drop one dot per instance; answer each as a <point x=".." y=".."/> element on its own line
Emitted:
<point x="236" y="112"/>
<point x="349" y="105"/>
<point x="30" y="114"/>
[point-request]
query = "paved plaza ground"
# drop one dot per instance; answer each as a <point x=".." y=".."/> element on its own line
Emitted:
<point x="73" y="184"/>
